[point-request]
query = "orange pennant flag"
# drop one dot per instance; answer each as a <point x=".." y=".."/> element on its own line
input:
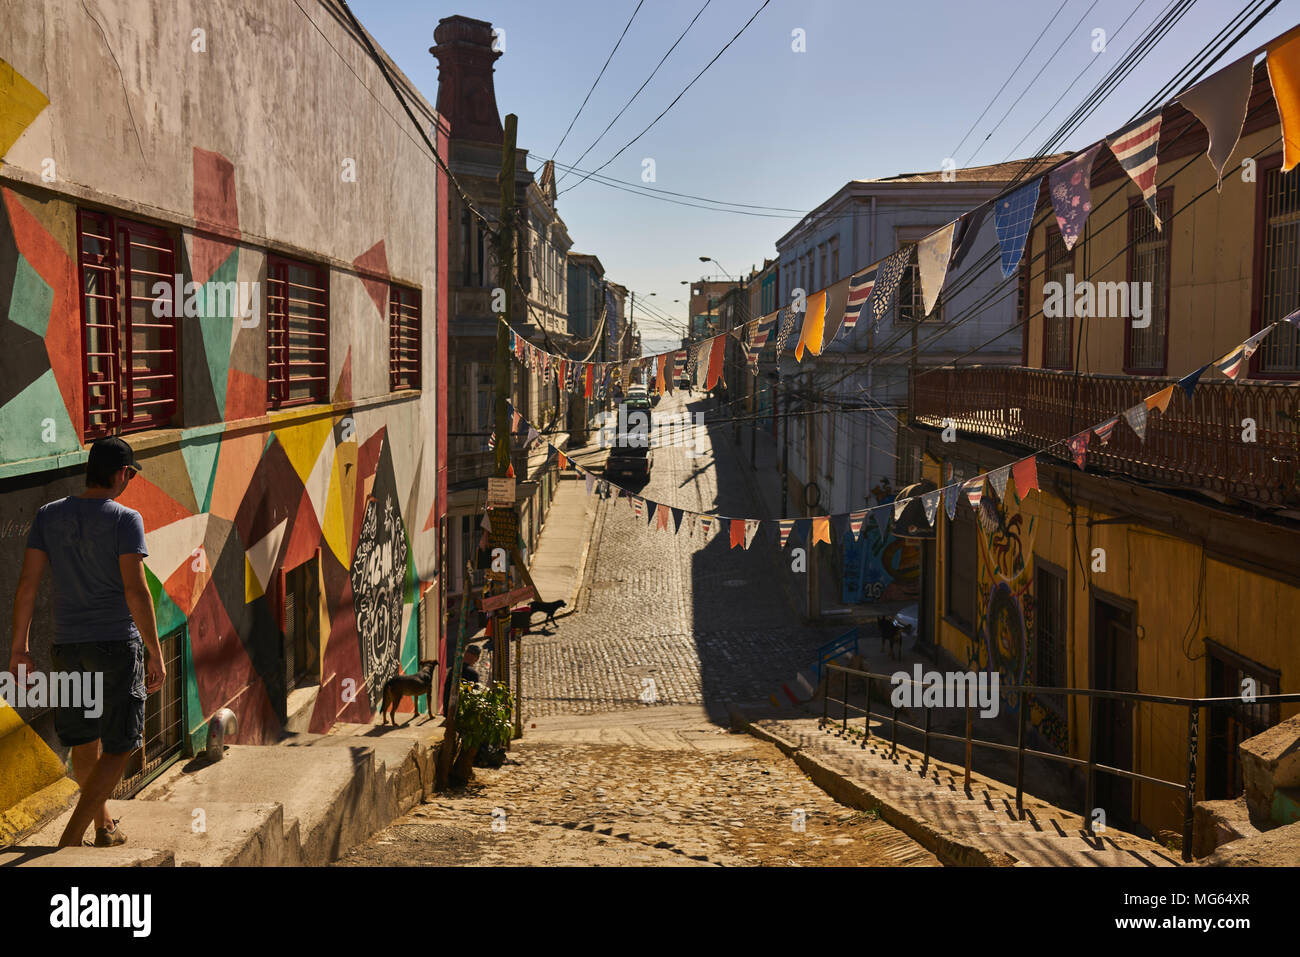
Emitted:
<point x="563" y="462"/>
<point x="661" y="517"/>
<point x="1284" y="75"/>
<point x="662" y="359"/>
<point x="1160" y="400"/>
<point x="716" y="356"/>
<point x="814" y="325"/>
<point x="737" y="533"/>
<point x="821" y="529"/>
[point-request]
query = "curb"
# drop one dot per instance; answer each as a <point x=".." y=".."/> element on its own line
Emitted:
<point x="852" y="794"/>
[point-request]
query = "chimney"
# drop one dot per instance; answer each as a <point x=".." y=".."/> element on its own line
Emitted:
<point x="466" y="95"/>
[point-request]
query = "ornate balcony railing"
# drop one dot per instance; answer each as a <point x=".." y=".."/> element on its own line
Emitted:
<point x="1237" y="440"/>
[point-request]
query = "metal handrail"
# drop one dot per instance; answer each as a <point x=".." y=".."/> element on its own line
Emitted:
<point x="1193" y="706"/>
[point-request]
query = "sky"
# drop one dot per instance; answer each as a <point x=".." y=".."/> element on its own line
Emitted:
<point x="878" y="89"/>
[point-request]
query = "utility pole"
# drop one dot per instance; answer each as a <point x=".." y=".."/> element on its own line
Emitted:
<point x="505" y="282"/>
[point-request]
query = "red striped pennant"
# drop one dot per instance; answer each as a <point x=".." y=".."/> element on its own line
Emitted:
<point x="1105" y="429"/>
<point x="1135" y="148"/>
<point x="855" y="523"/>
<point x="860" y="286"/>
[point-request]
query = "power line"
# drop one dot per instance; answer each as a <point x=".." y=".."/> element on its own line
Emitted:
<point x="674" y="101"/>
<point x="640" y="88"/>
<point x="626" y="27"/>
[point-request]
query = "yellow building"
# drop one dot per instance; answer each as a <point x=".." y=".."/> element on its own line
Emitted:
<point x="1168" y="565"/>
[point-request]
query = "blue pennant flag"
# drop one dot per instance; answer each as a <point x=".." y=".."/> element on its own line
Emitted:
<point x="1012" y="216"/>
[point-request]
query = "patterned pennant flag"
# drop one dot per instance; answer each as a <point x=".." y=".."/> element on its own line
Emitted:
<point x="998" y="479"/>
<point x="716" y="356"/>
<point x="1137" y="420"/>
<point x="637" y="507"/>
<point x="932" y="256"/>
<point x="1219" y="102"/>
<point x="1291" y="317"/>
<point x="758" y="339"/>
<point x="1284" y="75"/>
<point x="663" y="519"/>
<point x="1160" y="400"/>
<point x="855" y="523"/>
<point x="1188" y="382"/>
<point x="788" y="319"/>
<point x="677" y="514"/>
<point x="821" y="529"/>
<point x="860" y="286"/>
<point x="1135" y="148"/>
<point x="1230" y="365"/>
<point x="1025" y="475"/>
<point x="1079" y="446"/>
<point x="930" y="502"/>
<point x="513" y="340"/>
<point x="950" y="496"/>
<point x="974" y="489"/>
<point x="590" y="480"/>
<point x="971" y="224"/>
<point x="1072" y="194"/>
<point x="679" y="364"/>
<point x="492" y="442"/>
<point x="784" y="525"/>
<point x="1012" y="216"/>
<point x="814" y="326"/>
<point x="887" y="278"/>
<point x="737" y="532"/>
<point x="751" y="529"/>
<point x="1105" y="429"/>
<point x="706" y="525"/>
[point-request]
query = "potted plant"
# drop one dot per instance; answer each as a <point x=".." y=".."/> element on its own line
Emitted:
<point x="483" y="719"/>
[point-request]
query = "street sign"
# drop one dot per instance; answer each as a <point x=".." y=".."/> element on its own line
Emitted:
<point x="505" y="528"/>
<point x="501" y="493"/>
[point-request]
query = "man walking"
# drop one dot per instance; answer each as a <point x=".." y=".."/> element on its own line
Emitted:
<point x="103" y="623"/>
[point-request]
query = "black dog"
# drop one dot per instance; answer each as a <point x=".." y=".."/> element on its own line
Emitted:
<point x="892" y="632"/>
<point x="550" y="607"/>
<point x="399" y="686"/>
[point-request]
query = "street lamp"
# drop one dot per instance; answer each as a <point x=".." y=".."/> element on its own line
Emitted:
<point x="710" y="259"/>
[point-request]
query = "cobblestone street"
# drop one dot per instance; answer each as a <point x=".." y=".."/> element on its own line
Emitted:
<point x="627" y="757"/>
<point x="664" y="787"/>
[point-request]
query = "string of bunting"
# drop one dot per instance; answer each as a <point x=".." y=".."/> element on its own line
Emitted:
<point x="1022" y="474"/>
<point x="1219" y="102"/>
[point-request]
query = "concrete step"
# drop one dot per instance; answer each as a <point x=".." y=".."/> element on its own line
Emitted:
<point x="216" y="834"/>
<point x="23" y="856"/>
<point x="329" y="792"/>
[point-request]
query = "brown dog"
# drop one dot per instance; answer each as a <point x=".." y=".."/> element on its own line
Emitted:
<point x="399" y="686"/>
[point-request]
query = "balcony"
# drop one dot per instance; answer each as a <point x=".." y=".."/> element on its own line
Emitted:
<point x="1195" y="444"/>
<point x="469" y="460"/>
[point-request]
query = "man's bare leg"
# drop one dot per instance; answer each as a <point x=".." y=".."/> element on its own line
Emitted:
<point x="84" y="757"/>
<point x="95" y="790"/>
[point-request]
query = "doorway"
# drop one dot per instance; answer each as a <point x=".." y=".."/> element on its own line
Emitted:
<point x="1233" y="723"/>
<point x="1114" y="668"/>
<point x="164" y="721"/>
<point x="302" y="626"/>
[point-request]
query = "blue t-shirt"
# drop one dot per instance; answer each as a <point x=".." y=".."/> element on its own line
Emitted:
<point x="83" y="538"/>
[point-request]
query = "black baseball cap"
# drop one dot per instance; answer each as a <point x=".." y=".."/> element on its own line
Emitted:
<point x="109" y="454"/>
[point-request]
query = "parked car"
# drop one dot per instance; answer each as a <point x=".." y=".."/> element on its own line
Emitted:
<point x="630" y="453"/>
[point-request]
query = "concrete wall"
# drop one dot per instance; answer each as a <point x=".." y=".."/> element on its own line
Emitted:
<point x="251" y="137"/>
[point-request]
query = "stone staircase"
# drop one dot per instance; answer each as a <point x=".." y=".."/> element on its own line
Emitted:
<point x="304" y="801"/>
<point x="976" y="828"/>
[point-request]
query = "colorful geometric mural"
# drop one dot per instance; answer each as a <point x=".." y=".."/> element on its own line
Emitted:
<point x="227" y="511"/>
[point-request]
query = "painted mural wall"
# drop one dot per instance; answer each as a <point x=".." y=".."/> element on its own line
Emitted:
<point x="234" y="496"/>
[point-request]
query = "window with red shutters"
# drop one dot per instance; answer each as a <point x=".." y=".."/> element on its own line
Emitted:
<point x="129" y="363"/>
<point x="297" y="333"/>
<point x="403" y="338"/>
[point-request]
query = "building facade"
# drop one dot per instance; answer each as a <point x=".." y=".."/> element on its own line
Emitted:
<point x="1166" y="565"/>
<point x="250" y="297"/>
